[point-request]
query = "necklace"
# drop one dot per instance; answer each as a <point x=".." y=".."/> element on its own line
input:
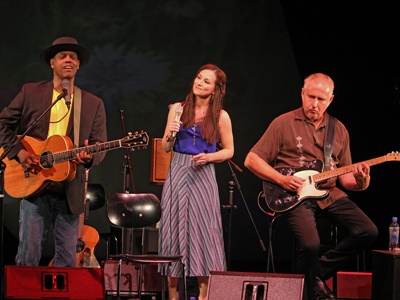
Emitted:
<point x="194" y="133"/>
<point x="199" y="119"/>
<point x="201" y="111"/>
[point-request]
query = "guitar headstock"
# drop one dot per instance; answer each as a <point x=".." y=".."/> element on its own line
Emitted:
<point x="394" y="155"/>
<point x="135" y="140"/>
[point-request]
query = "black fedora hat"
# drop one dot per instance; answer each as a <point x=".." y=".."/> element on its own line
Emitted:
<point x="65" y="44"/>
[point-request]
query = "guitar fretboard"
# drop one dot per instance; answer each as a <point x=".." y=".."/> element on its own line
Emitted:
<point x="324" y="176"/>
<point x="91" y="149"/>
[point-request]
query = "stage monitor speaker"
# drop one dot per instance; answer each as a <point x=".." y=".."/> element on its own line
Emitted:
<point x="53" y="283"/>
<point x="353" y="285"/>
<point x="160" y="161"/>
<point x="255" y="286"/>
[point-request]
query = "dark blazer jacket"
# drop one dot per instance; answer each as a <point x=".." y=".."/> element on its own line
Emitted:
<point x="29" y="104"/>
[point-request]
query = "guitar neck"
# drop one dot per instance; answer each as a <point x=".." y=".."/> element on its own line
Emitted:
<point x="91" y="149"/>
<point x="324" y="176"/>
<point x="81" y="224"/>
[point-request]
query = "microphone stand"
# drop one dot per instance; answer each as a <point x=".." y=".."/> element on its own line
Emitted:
<point x="127" y="243"/>
<point x="128" y="178"/>
<point x="231" y="206"/>
<point x="127" y="233"/>
<point x="2" y="170"/>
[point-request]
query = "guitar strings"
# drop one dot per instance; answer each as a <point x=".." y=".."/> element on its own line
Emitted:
<point x="91" y="149"/>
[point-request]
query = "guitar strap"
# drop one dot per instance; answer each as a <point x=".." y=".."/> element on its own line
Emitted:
<point x="329" y="138"/>
<point x="77" y="124"/>
<point x="77" y="114"/>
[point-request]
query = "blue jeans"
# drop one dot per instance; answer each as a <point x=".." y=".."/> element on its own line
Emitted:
<point x="35" y="219"/>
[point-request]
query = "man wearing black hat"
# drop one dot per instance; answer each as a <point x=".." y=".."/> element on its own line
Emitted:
<point x="81" y="117"/>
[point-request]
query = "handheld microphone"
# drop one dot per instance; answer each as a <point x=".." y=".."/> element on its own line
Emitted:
<point x="178" y="114"/>
<point x="65" y="86"/>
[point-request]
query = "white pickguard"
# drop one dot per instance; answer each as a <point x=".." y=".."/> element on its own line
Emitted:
<point x="309" y="189"/>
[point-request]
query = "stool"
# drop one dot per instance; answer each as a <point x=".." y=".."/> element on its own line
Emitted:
<point x="141" y="261"/>
<point x="129" y="211"/>
<point x="331" y="242"/>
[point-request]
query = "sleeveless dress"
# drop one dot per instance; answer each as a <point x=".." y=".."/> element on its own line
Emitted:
<point x="191" y="223"/>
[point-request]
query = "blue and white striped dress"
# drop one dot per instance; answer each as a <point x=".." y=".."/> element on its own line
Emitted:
<point x="191" y="223"/>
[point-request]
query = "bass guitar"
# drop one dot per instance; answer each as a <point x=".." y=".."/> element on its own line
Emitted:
<point x="280" y="200"/>
<point x="55" y="156"/>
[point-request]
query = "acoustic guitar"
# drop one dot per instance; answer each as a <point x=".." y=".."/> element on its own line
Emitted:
<point x="88" y="238"/>
<point x="55" y="156"/>
<point x="87" y="241"/>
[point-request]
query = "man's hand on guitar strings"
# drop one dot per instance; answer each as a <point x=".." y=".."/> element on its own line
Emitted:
<point x="82" y="157"/>
<point x="28" y="161"/>
<point x="291" y="183"/>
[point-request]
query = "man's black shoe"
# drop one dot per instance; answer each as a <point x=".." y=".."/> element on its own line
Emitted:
<point x="322" y="290"/>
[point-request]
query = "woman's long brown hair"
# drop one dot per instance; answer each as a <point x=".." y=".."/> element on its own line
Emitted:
<point x="209" y="126"/>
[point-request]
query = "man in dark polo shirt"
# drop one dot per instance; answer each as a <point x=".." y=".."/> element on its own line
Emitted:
<point x="294" y="140"/>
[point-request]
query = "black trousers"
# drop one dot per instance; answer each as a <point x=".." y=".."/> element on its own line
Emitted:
<point x="347" y="216"/>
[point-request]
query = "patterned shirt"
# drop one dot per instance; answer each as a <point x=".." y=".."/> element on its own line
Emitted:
<point x="291" y="140"/>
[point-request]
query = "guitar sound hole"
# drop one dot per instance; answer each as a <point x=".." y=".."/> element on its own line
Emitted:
<point x="46" y="160"/>
<point x="80" y="245"/>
